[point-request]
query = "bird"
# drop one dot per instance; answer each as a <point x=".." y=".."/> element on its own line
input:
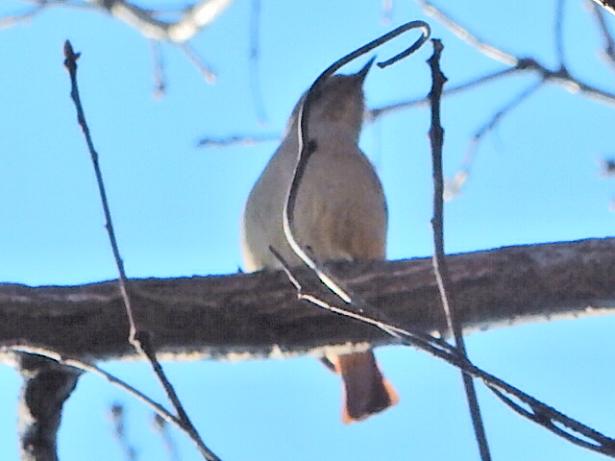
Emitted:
<point x="340" y="213"/>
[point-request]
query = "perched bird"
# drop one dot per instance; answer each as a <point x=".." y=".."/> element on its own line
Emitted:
<point x="340" y="214"/>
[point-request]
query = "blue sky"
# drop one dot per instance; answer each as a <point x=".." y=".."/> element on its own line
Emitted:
<point x="177" y="208"/>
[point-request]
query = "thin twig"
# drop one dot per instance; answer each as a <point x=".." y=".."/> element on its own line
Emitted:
<point x="24" y="16"/>
<point x="138" y="338"/>
<point x="91" y="368"/>
<point x="453" y="186"/>
<point x="39" y="6"/>
<point x="118" y="418"/>
<point x="206" y="71"/>
<point x="193" y="18"/>
<point x="378" y="112"/>
<point x="539" y="413"/>
<point x="237" y="140"/>
<point x="161" y="427"/>
<point x="467" y="36"/>
<point x="371" y="115"/>
<point x="160" y="85"/>
<point x="609" y="42"/>
<point x="436" y="136"/>
<point x="560" y="76"/>
<point x="357" y="309"/>
<point x="255" y="86"/>
<point x="607" y="166"/>
<point x="70" y="62"/>
<point x="559" y="33"/>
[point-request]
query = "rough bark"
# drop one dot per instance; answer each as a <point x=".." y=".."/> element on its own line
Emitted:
<point x="46" y="386"/>
<point x="608" y="5"/>
<point x="254" y="315"/>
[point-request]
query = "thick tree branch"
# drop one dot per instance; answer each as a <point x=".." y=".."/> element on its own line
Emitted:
<point x="254" y="315"/>
<point x="46" y="386"/>
<point x="608" y="5"/>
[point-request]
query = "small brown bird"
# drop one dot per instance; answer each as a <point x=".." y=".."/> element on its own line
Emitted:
<point x="340" y="214"/>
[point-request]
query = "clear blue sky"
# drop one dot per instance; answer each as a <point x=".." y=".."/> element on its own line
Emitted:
<point x="177" y="209"/>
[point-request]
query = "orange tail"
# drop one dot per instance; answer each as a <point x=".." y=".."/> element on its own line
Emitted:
<point x="366" y="391"/>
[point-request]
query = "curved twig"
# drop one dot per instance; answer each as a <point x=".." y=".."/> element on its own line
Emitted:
<point x="304" y="149"/>
<point x="91" y="368"/>
<point x="539" y="412"/>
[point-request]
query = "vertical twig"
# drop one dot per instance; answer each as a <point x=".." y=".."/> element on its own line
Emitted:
<point x="436" y="136"/>
<point x="255" y="86"/>
<point x="559" y="33"/>
<point x="138" y="338"/>
<point x="70" y="62"/>
<point x="118" y="418"/>
<point x="160" y="83"/>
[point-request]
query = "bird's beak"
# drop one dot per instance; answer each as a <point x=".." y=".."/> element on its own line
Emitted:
<point x="365" y="69"/>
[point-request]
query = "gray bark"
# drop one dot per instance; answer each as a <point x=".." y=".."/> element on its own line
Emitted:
<point x="46" y="386"/>
<point x="254" y="315"/>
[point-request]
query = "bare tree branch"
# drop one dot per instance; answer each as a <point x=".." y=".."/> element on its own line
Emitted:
<point x="454" y="185"/>
<point x="248" y="316"/>
<point x="160" y="81"/>
<point x="377" y="112"/>
<point x="118" y="418"/>
<point x="559" y="76"/>
<point x="139" y="338"/>
<point x="520" y="402"/>
<point x="559" y="33"/>
<point x="40" y="353"/>
<point x="371" y="115"/>
<point x="447" y="294"/>
<point x="609" y="41"/>
<point x="608" y="5"/>
<point x="45" y="388"/>
<point x="206" y="71"/>
<point x="467" y="36"/>
<point x="236" y="140"/>
<point x="254" y="76"/>
<point x="160" y="426"/>
<point x="193" y="18"/>
<point x="38" y="6"/>
<point x="26" y="15"/>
